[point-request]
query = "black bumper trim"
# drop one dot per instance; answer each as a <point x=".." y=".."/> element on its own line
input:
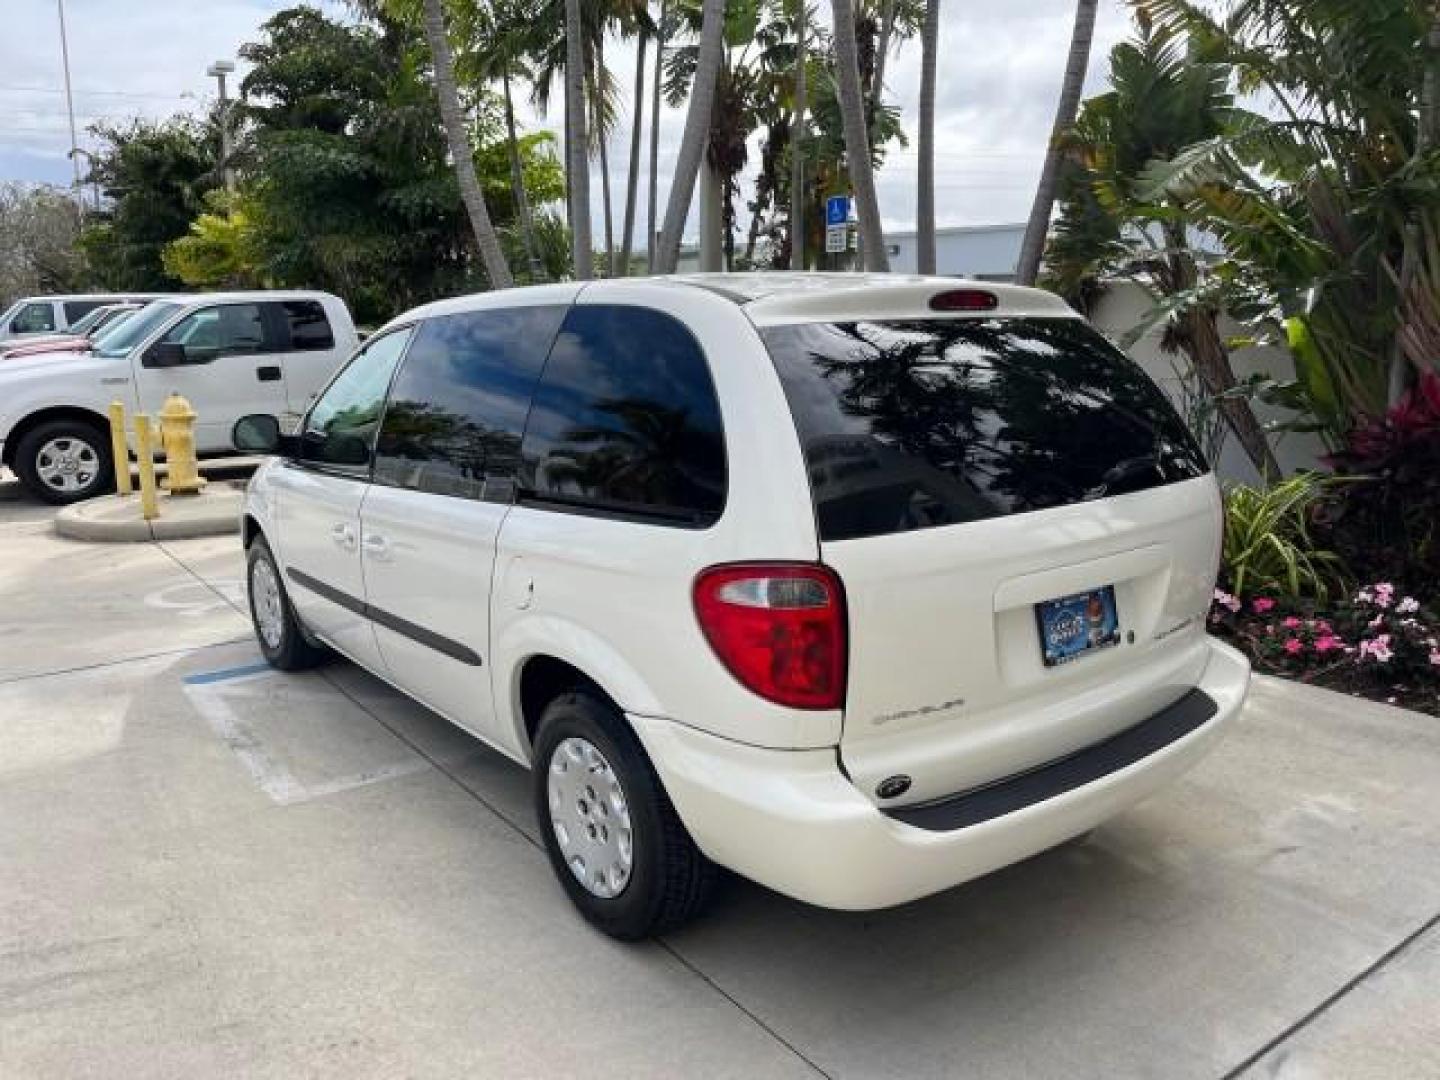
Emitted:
<point x="1066" y="774"/>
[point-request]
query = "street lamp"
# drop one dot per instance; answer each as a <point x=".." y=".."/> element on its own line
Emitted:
<point x="217" y="71"/>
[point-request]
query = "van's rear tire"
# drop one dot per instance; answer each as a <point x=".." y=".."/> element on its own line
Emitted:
<point x="65" y="461"/>
<point x="605" y="817"/>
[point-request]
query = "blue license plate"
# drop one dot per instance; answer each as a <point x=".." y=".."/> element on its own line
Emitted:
<point x="1072" y="626"/>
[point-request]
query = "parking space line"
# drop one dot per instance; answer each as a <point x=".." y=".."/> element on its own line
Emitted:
<point x="224" y="674"/>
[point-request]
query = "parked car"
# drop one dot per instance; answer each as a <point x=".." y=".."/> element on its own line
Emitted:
<point x="859" y="586"/>
<point x="32" y="316"/>
<point x="229" y="353"/>
<point x="89" y="327"/>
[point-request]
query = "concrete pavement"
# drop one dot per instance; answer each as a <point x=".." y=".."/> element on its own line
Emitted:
<point x="207" y="868"/>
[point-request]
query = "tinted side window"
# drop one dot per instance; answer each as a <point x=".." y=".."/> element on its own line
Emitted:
<point x="457" y="407"/>
<point x="226" y="330"/>
<point x="37" y="318"/>
<point x="306" y="326"/>
<point x="626" y="420"/>
<point x="909" y="425"/>
<point x="340" y="430"/>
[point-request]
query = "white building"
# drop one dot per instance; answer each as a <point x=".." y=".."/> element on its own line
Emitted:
<point x="983" y="252"/>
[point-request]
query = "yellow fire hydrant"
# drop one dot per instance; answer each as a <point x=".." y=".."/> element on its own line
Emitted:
<point x="177" y="435"/>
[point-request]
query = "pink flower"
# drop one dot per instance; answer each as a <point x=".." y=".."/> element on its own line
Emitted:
<point x="1364" y="596"/>
<point x="1225" y="600"/>
<point x="1407" y="605"/>
<point x="1262" y="604"/>
<point x="1435" y="657"/>
<point x="1377" y="648"/>
<point x="1328" y="643"/>
<point x="1294" y="645"/>
<point x="1323" y="627"/>
<point x="1384" y="593"/>
<point x="1375" y="623"/>
<point x="1290" y="622"/>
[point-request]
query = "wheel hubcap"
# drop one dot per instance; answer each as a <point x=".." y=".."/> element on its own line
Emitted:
<point x="67" y="464"/>
<point x="265" y="601"/>
<point x="590" y="817"/>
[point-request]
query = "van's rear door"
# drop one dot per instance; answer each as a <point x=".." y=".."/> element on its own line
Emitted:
<point x="1026" y="532"/>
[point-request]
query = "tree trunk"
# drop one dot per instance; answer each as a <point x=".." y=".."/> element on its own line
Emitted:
<point x="602" y="138"/>
<point x="712" y="219"/>
<point x="697" y="130"/>
<point x="925" y="181"/>
<point x="517" y="184"/>
<point x="1211" y="361"/>
<point x="1032" y="249"/>
<point x="797" y="150"/>
<point x="632" y="187"/>
<point x="651" y="239"/>
<point x="857" y="138"/>
<point x="882" y="50"/>
<point x="491" y="255"/>
<point x="577" y="151"/>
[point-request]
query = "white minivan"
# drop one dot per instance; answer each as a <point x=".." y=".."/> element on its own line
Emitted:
<point x="860" y="586"/>
<point x="229" y="354"/>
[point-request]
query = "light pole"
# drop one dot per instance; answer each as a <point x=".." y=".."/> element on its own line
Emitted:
<point x="70" y="104"/>
<point x="218" y="70"/>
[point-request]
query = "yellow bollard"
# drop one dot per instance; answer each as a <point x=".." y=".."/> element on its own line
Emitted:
<point x="118" y="448"/>
<point x="145" y="451"/>
<point x="177" y="433"/>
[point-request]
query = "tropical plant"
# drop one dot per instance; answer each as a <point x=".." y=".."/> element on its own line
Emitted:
<point x="1114" y="224"/>
<point x="1032" y="247"/>
<point x="1268" y="542"/>
<point x="1328" y="205"/>
<point x="223" y="248"/>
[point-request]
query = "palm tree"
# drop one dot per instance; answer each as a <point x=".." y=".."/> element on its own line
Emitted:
<point x="697" y="130"/>
<point x="654" y="202"/>
<point x="925" y="182"/>
<point x="577" y="150"/>
<point x="496" y="268"/>
<point x="797" y="147"/>
<point x="857" y="138"/>
<point x="637" y="124"/>
<point x="1033" y="246"/>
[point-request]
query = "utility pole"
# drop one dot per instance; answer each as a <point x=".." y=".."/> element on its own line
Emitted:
<point x="217" y="71"/>
<point x="70" y="108"/>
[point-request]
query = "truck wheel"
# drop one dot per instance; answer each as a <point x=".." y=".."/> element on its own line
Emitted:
<point x="612" y="834"/>
<point x="65" y="461"/>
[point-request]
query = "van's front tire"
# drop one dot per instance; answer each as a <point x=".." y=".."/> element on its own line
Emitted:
<point x="612" y="834"/>
<point x="65" y="461"/>
<point x="277" y="631"/>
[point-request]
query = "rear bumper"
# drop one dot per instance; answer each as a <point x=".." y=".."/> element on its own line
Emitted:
<point x="790" y="820"/>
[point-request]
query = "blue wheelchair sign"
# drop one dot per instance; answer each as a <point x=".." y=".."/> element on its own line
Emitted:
<point x="837" y="209"/>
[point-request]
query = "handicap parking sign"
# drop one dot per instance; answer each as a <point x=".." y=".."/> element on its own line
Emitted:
<point x="837" y="209"/>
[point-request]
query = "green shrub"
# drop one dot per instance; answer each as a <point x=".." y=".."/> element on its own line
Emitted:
<point x="1268" y="547"/>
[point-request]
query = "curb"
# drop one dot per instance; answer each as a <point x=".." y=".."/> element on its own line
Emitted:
<point x="113" y="519"/>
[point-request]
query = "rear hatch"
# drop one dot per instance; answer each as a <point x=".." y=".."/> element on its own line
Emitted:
<point x="1026" y="532"/>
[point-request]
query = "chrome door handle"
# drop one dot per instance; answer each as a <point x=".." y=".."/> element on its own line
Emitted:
<point x="377" y="547"/>
<point x="343" y="535"/>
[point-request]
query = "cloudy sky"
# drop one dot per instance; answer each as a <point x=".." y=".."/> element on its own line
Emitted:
<point x="999" y="74"/>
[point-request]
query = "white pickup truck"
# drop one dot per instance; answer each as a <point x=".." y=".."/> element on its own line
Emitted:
<point x="230" y="354"/>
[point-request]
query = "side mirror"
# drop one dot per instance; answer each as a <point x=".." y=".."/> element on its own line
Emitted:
<point x="258" y="433"/>
<point x="165" y="354"/>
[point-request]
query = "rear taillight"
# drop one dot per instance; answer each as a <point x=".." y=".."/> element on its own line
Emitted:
<point x="964" y="300"/>
<point x="779" y="628"/>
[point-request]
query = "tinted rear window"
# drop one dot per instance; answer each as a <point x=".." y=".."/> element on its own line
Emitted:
<point x="909" y="425"/>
